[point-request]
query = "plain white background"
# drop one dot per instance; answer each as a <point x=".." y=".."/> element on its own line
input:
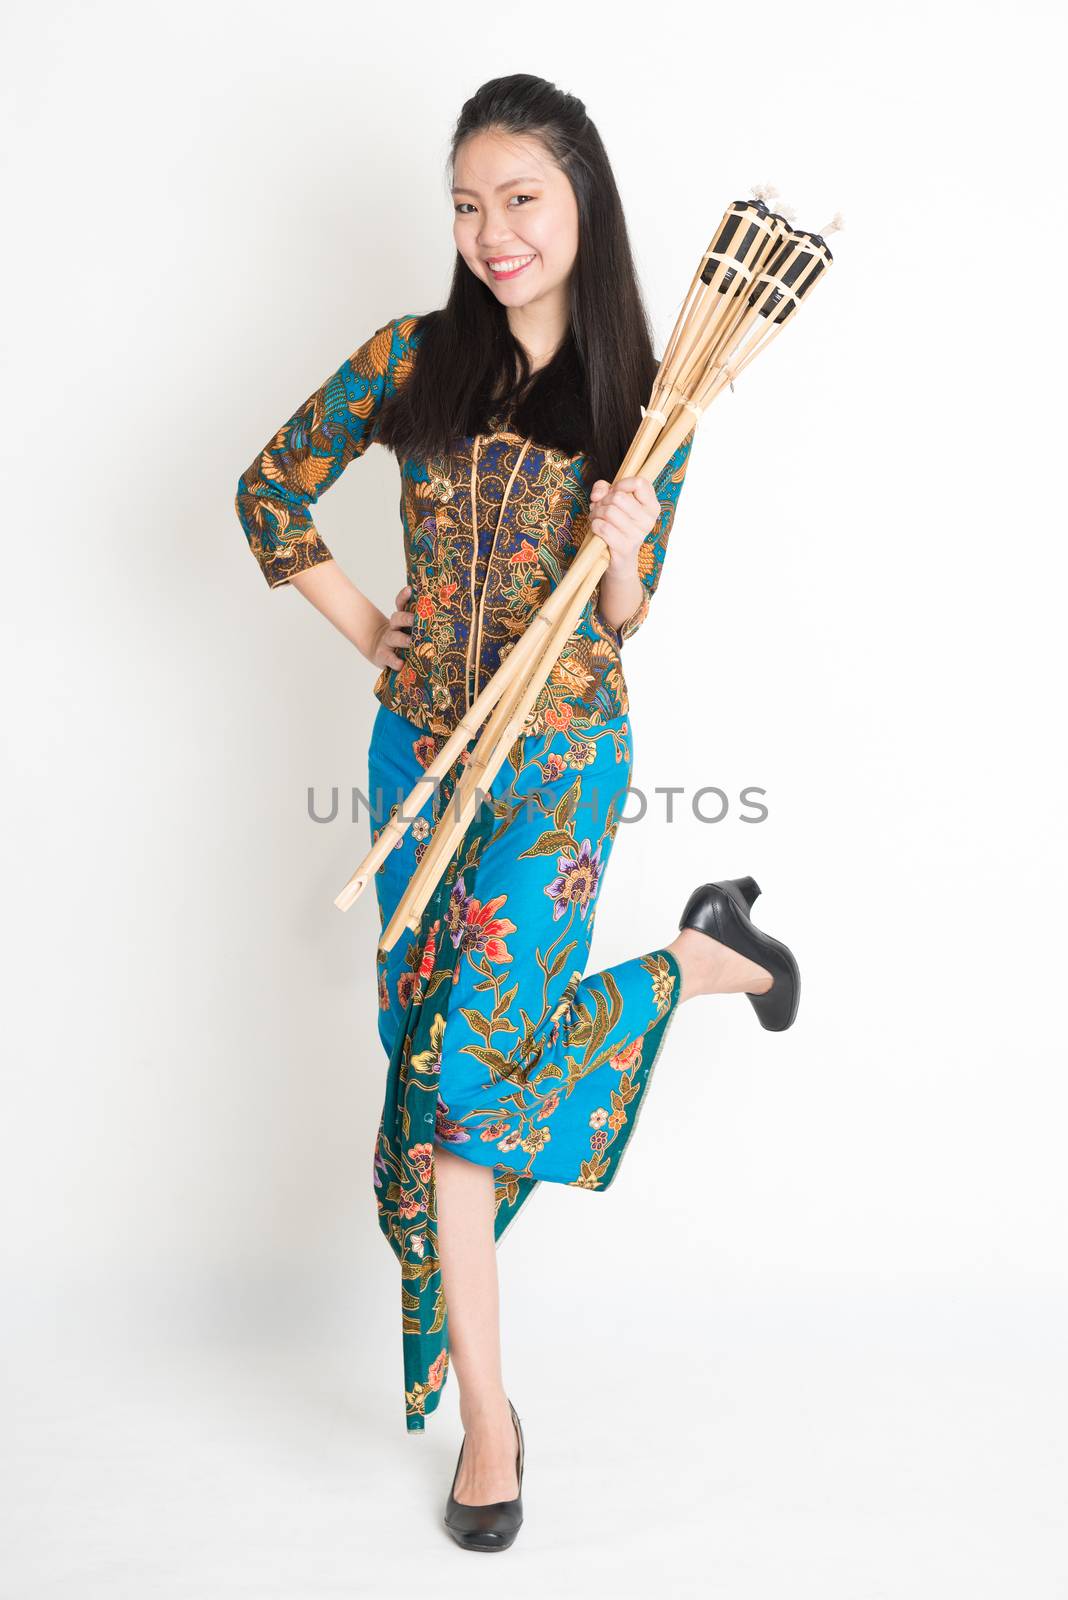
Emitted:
<point x="812" y="1341"/>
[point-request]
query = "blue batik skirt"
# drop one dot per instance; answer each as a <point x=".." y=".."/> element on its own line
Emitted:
<point x="500" y="1050"/>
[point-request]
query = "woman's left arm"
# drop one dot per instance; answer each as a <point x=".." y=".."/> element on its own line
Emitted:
<point x="634" y="518"/>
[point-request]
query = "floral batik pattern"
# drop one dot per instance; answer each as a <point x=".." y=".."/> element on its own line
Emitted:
<point x="500" y="1050"/>
<point x="488" y="528"/>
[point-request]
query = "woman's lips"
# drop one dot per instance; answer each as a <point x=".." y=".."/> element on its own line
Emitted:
<point x="509" y="272"/>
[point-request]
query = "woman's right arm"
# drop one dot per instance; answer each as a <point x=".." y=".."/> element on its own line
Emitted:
<point x="334" y="426"/>
<point x="374" y="634"/>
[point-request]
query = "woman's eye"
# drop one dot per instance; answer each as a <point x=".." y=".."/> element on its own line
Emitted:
<point x="462" y="207"/>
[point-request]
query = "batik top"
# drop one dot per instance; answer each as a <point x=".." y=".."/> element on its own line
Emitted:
<point x="489" y="528"/>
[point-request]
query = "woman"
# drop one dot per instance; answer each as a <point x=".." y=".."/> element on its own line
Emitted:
<point x="509" y="411"/>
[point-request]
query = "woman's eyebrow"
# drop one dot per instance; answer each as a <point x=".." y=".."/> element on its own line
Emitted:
<point x="507" y="184"/>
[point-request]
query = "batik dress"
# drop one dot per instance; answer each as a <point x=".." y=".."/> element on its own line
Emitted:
<point x="500" y="1050"/>
<point x="500" y="1047"/>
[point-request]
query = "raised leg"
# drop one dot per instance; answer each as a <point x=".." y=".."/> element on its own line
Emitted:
<point x="709" y="967"/>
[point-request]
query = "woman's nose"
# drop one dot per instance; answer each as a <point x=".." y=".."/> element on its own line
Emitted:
<point x="494" y="230"/>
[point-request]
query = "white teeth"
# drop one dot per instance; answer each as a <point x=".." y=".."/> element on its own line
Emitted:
<point x="509" y="266"/>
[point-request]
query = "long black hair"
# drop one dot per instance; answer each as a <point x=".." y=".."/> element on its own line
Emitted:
<point x="469" y="366"/>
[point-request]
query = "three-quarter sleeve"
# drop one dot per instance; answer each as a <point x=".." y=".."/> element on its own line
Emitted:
<point x="310" y="452"/>
<point x="653" y="548"/>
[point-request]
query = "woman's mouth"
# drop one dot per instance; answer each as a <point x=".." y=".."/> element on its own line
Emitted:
<point x="509" y="266"/>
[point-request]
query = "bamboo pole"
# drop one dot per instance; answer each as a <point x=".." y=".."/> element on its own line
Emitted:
<point x="738" y="301"/>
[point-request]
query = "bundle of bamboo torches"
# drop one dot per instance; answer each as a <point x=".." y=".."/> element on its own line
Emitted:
<point x="748" y="284"/>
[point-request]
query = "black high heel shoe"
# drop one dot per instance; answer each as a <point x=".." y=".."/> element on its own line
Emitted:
<point x="493" y="1526"/>
<point x="722" y="911"/>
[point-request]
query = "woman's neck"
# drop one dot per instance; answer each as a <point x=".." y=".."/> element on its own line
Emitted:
<point x="540" y="328"/>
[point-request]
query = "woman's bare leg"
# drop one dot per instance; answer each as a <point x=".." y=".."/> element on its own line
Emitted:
<point x="468" y="1255"/>
<point x="709" y="967"/>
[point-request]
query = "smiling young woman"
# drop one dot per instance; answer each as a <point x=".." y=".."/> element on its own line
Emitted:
<point x="508" y="410"/>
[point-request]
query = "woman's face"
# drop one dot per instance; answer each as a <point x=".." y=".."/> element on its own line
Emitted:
<point x="516" y="217"/>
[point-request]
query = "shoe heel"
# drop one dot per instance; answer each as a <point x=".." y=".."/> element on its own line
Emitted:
<point x="748" y="888"/>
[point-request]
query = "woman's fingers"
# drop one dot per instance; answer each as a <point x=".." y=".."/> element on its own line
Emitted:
<point x="641" y="488"/>
<point x="402" y="618"/>
<point x="617" y="515"/>
<point x="609" y="534"/>
<point x="623" y="501"/>
<point x="614" y="512"/>
<point x="397" y="634"/>
<point x="625" y="485"/>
